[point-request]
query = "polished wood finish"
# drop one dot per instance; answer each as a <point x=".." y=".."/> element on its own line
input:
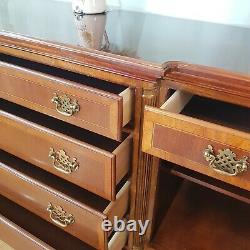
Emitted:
<point x="58" y="46"/>
<point x="34" y="231"/>
<point x="209" y="82"/>
<point x="200" y="218"/>
<point x="142" y="168"/>
<point x="22" y="235"/>
<point x="182" y="139"/>
<point x="37" y="189"/>
<point x="100" y="111"/>
<point x="148" y="76"/>
<point x="100" y="168"/>
<point x="71" y="57"/>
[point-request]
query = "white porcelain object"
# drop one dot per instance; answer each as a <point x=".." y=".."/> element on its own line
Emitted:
<point x="89" y="6"/>
<point x="91" y="31"/>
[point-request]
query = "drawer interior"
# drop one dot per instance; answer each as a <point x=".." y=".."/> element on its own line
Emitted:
<point x="209" y="182"/>
<point x="39" y="228"/>
<point x="71" y="76"/>
<point x="226" y="114"/>
<point x="61" y="127"/>
<point x="195" y="217"/>
<point x="213" y="111"/>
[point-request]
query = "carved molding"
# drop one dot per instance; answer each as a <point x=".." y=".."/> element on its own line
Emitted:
<point x="144" y="172"/>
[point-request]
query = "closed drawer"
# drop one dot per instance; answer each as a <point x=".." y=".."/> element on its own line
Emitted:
<point x="92" y="104"/>
<point x="88" y="160"/>
<point x="72" y="209"/>
<point x="202" y="134"/>
<point x="30" y="232"/>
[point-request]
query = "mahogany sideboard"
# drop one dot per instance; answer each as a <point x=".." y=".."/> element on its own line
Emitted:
<point x="82" y="130"/>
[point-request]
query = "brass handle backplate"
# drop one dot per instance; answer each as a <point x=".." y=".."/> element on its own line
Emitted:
<point x="65" y="106"/>
<point x="225" y="161"/>
<point x="59" y="216"/>
<point x="62" y="163"/>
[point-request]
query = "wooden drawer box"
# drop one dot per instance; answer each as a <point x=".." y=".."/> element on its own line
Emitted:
<point x="95" y="105"/>
<point x="72" y="209"/>
<point x="100" y="163"/>
<point x="201" y="134"/>
<point x="30" y="232"/>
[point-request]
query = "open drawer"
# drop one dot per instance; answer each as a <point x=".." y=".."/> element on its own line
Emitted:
<point x="205" y="135"/>
<point x="93" y="104"/>
<point x="88" y="160"/>
<point x="70" y="208"/>
<point x="14" y="237"/>
<point x="29" y="232"/>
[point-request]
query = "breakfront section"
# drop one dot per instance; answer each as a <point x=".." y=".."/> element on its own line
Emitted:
<point x="201" y="134"/>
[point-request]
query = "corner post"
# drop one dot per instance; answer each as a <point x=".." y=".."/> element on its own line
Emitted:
<point x="145" y="169"/>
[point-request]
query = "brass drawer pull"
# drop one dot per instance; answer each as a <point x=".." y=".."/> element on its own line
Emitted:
<point x="59" y="216"/>
<point x="61" y="161"/>
<point x="225" y="162"/>
<point x="65" y="106"/>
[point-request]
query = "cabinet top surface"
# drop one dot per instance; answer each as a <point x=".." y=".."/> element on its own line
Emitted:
<point x="152" y="38"/>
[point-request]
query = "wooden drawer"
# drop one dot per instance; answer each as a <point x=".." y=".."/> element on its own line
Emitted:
<point x="95" y="105"/>
<point x="29" y="231"/>
<point x="15" y="237"/>
<point x="184" y="127"/>
<point x="100" y="163"/>
<point x="72" y="209"/>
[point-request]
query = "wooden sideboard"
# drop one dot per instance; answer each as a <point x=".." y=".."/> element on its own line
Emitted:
<point x="203" y="139"/>
<point x="82" y="130"/>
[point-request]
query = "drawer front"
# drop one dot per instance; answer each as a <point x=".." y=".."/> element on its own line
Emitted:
<point x="94" y="169"/>
<point x="95" y="110"/>
<point x="184" y="141"/>
<point x="65" y="212"/>
<point x="14" y="237"/>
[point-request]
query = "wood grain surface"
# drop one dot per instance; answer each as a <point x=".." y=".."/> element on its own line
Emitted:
<point x="203" y="219"/>
<point x="100" y="169"/>
<point x="182" y="139"/>
<point x="37" y="189"/>
<point x="100" y="111"/>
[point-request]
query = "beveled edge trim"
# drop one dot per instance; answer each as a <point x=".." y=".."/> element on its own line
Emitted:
<point x="209" y="82"/>
<point x="119" y="65"/>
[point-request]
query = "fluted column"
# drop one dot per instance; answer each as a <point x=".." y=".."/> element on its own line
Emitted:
<point x="142" y="170"/>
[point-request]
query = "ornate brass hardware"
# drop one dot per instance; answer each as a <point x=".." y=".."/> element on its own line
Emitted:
<point x="59" y="216"/>
<point x="65" y="106"/>
<point x="62" y="162"/>
<point x="225" y="162"/>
